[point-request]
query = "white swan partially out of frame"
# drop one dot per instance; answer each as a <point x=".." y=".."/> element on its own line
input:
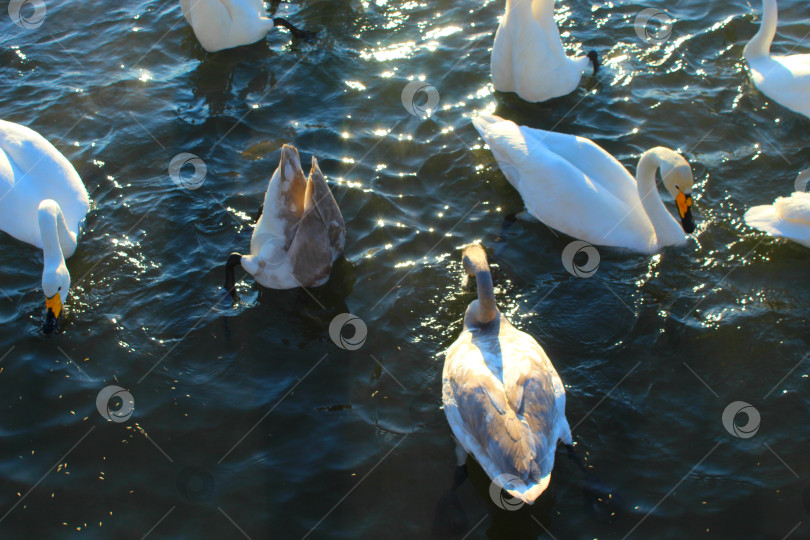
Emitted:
<point x="785" y="79"/>
<point x="43" y="202"/>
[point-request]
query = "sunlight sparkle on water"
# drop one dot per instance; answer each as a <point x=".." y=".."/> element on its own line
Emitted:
<point x="355" y="85"/>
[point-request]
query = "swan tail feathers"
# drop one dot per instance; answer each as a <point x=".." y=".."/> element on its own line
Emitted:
<point x="485" y="125"/>
<point x="530" y="495"/>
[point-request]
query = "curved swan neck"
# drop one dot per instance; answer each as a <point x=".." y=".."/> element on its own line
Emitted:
<point x="760" y="45"/>
<point x="648" y="166"/>
<point x="54" y="233"/>
<point x="543" y="10"/>
<point x="530" y="8"/>
<point x="475" y="263"/>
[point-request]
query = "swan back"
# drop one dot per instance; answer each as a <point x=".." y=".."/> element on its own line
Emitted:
<point x="33" y="170"/>
<point x="788" y="217"/>
<point x="504" y="401"/>
<point x="795" y="208"/>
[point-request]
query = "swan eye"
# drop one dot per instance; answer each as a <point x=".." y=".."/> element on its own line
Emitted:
<point x="677" y="187"/>
<point x="59" y="289"/>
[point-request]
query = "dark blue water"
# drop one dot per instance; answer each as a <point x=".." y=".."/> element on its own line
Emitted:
<point x="250" y="422"/>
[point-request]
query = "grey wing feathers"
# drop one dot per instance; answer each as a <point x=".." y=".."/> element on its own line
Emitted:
<point x="496" y="427"/>
<point x="327" y="208"/>
<point x="321" y="234"/>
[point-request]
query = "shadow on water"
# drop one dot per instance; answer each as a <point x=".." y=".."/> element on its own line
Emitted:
<point x="504" y="519"/>
<point x="213" y="79"/>
<point x="311" y="307"/>
<point x="510" y="518"/>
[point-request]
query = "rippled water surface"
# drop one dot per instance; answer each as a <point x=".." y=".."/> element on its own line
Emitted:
<point x="251" y="423"/>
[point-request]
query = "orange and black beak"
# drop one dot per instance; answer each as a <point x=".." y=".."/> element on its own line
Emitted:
<point x="684" y="202"/>
<point x="53" y="313"/>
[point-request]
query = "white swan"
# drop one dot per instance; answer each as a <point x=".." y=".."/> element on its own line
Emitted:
<point x="785" y="79"/>
<point x="224" y="24"/>
<point x="571" y="184"/>
<point x="42" y="202"/>
<point x="528" y="57"/>
<point x="502" y="396"/>
<point x="300" y="232"/>
<point x="788" y="217"/>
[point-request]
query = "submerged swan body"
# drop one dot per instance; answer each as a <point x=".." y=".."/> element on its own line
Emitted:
<point x="43" y="202"/>
<point x="787" y="217"/>
<point x="785" y="79"/>
<point x="224" y="24"/>
<point x="502" y="396"/>
<point x="572" y="185"/>
<point x="528" y="57"/>
<point x="300" y="233"/>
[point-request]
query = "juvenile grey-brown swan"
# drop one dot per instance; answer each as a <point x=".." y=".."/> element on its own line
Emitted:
<point x="502" y="396"/>
<point x="300" y="233"/>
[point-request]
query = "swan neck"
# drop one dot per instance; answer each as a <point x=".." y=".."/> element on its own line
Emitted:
<point x="519" y="7"/>
<point x="760" y="45"/>
<point x="486" y="297"/>
<point x="52" y="226"/>
<point x="486" y="311"/>
<point x="543" y="10"/>
<point x="648" y="166"/>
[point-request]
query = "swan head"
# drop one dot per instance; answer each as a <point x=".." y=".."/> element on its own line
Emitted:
<point x="55" y="275"/>
<point x="676" y="173"/>
<point x="483" y="311"/>
<point x="56" y="286"/>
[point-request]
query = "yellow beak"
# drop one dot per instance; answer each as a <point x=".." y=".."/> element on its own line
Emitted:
<point x="54" y="304"/>
<point x="684" y="202"/>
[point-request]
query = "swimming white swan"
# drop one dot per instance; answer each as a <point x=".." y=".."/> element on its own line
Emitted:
<point x="224" y="24"/>
<point x="785" y="79"/>
<point x="43" y="202"/>
<point x="528" y="57"/>
<point x="571" y="184"/>
<point x="300" y="232"/>
<point x="788" y="217"/>
<point x="502" y="396"/>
